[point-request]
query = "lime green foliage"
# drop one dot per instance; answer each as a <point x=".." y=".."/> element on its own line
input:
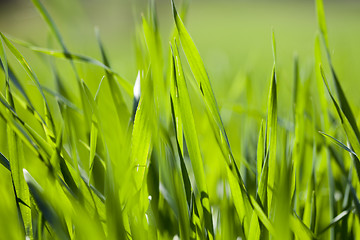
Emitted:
<point x="160" y="158"/>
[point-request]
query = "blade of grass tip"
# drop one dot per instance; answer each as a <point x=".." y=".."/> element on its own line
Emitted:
<point x="296" y="85"/>
<point x="350" y="133"/>
<point x="121" y="108"/>
<point x="200" y="74"/>
<point x="141" y="140"/>
<point x="337" y="142"/>
<point x="321" y="21"/>
<point x="174" y="97"/>
<point x="271" y="135"/>
<point x="53" y="28"/>
<point x="273" y="45"/>
<point x="192" y="140"/>
<point x="155" y="53"/>
<point x="44" y="206"/>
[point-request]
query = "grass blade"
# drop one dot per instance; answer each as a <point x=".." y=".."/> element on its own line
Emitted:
<point x="192" y="140"/>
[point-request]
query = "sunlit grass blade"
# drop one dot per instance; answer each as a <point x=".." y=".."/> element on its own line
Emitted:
<point x="201" y="76"/>
<point x="271" y="135"/>
<point x="141" y="141"/>
<point x="198" y="69"/>
<point x="192" y="140"/>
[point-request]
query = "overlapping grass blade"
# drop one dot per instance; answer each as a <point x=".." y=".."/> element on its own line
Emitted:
<point x="337" y="142"/>
<point x="192" y="140"/>
<point x="344" y="104"/>
<point x="198" y="69"/>
<point x="349" y="130"/>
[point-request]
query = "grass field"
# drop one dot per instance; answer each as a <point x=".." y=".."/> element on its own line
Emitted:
<point x="193" y="120"/>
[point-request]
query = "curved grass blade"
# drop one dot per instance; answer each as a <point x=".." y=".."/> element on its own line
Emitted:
<point x="344" y="104"/>
<point x="337" y="142"/>
<point x="350" y="133"/>
<point x="25" y="65"/>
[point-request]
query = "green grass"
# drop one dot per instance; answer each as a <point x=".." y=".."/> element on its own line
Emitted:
<point x="87" y="154"/>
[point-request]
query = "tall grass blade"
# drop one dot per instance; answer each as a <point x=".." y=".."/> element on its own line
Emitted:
<point x="192" y="140"/>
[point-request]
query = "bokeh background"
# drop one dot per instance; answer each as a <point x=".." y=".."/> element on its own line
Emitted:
<point x="234" y="37"/>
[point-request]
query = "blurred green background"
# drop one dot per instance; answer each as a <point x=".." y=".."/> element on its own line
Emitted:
<point x="233" y="36"/>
